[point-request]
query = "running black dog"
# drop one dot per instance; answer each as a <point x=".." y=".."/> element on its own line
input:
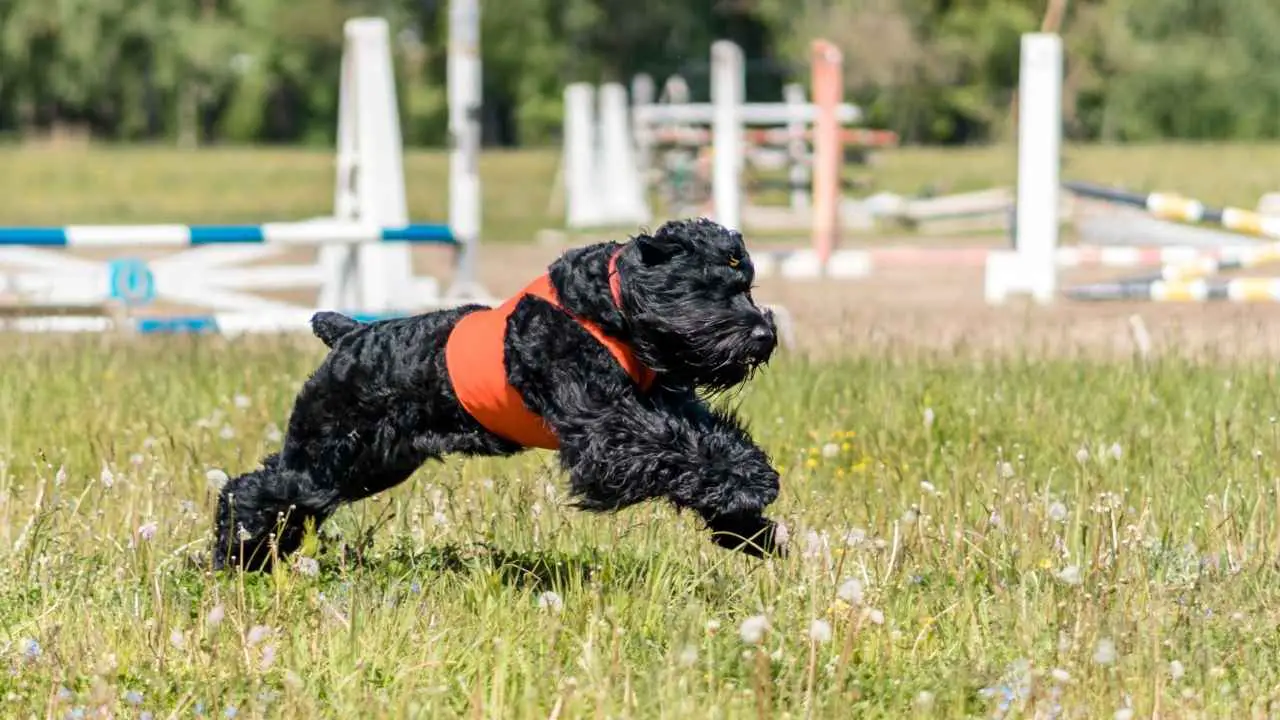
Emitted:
<point x="602" y="358"/>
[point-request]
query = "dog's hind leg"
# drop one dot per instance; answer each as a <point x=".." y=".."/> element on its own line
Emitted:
<point x="621" y="447"/>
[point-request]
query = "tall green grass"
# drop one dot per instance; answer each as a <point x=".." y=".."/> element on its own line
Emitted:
<point x="1056" y="538"/>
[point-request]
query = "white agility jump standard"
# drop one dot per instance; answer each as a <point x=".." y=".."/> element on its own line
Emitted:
<point x="363" y="265"/>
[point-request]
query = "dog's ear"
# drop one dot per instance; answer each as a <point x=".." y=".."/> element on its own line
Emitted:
<point x="658" y="249"/>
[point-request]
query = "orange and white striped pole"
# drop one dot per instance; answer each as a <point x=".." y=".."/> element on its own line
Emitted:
<point x="826" y="66"/>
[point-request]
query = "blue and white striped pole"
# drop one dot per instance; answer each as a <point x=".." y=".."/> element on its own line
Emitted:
<point x="298" y="233"/>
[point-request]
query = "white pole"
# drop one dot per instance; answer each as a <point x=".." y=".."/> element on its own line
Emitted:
<point x="385" y="272"/>
<point x="624" y="199"/>
<point x="464" y="95"/>
<point x="728" y="88"/>
<point x="1030" y="268"/>
<point x="582" y="205"/>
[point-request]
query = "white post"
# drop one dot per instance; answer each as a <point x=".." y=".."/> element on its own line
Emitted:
<point x="582" y="204"/>
<point x="1031" y="267"/>
<point x="465" y="93"/>
<point x="624" y="201"/>
<point x="797" y="146"/>
<point x="385" y="271"/>
<point x="728" y="88"/>
<point x="643" y="92"/>
<point x="370" y="175"/>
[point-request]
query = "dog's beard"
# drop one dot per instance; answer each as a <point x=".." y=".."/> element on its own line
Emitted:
<point x="714" y="355"/>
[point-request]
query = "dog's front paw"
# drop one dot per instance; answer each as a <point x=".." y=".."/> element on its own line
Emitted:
<point x="752" y="534"/>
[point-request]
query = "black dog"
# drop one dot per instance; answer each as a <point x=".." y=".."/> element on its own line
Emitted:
<point x="383" y="401"/>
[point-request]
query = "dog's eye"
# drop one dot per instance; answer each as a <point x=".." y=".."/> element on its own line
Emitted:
<point x="734" y="262"/>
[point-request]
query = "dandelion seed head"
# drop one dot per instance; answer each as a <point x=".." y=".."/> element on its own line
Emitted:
<point x="875" y="616"/>
<point x="1104" y="653"/>
<point x="257" y="634"/>
<point x="1070" y="575"/>
<point x="830" y="450"/>
<point x="216" y="478"/>
<point x="688" y="655"/>
<point x="241" y="401"/>
<point x="1058" y="512"/>
<point x="215" y="616"/>
<point x="1082" y="455"/>
<point x="820" y="631"/>
<point x="1176" y="670"/>
<point x="850" y="591"/>
<point x="133" y="697"/>
<point x="550" y="602"/>
<point x="753" y="629"/>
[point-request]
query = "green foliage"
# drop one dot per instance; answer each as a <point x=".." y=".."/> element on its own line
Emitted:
<point x="934" y="70"/>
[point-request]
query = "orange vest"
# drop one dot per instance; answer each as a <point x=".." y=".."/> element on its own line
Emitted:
<point x="474" y="357"/>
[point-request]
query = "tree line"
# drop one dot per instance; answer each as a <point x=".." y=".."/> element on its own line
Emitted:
<point x="935" y="71"/>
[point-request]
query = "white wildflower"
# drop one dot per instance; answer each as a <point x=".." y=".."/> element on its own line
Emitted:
<point x="257" y="634"/>
<point x="107" y="477"/>
<point x="216" y="479"/>
<point x="147" y="530"/>
<point x="241" y="401"/>
<point x="850" y="591"/>
<point x="1006" y="470"/>
<point x="875" y="616"/>
<point x="550" y="601"/>
<point x="924" y="700"/>
<point x="215" y="616"/>
<point x="1082" y="455"/>
<point x="1070" y="575"/>
<point x="928" y="487"/>
<point x="1058" y="512"/>
<point x="1104" y="653"/>
<point x="820" y="631"/>
<point x="753" y="629"/>
<point x="1060" y="675"/>
<point x="928" y="418"/>
<point x="1117" y="452"/>
<point x="1176" y="670"/>
<point x="688" y="655"/>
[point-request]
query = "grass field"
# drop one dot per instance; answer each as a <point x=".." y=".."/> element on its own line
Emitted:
<point x="1059" y="539"/>
<point x="52" y="186"/>
<point x="1011" y="531"/>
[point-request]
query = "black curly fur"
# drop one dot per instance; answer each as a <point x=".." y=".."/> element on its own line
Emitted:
<point x="381" y="404"/>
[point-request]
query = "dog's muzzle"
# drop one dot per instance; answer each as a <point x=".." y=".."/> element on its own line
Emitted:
<point x="763" y="338"/>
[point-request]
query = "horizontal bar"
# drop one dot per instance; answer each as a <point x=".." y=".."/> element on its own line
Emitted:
<point x="751" y="113"/>
<point x="307" y="233"/>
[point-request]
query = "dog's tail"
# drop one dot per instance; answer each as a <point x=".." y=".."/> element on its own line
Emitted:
<point x="331" y="326"/>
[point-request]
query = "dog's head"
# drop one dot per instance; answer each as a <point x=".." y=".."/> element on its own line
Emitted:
<point x="686" y="292"/>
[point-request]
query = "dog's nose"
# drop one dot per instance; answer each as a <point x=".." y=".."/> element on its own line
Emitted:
<point x="763" y="335"/>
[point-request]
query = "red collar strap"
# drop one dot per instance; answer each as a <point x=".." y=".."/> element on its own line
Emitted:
<point x="615" y="281"/>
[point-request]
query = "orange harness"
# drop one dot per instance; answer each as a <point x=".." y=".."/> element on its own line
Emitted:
<point x="476" y="365"/>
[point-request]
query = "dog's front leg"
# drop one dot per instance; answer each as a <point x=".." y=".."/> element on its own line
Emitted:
<point x="621" y="447"/>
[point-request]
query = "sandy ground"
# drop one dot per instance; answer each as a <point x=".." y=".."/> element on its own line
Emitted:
<point x="942" y="309"/>
<point x="938" y="308"/>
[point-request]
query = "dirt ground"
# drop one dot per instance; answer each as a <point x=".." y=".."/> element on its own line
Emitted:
<point x="942" y="309"/>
